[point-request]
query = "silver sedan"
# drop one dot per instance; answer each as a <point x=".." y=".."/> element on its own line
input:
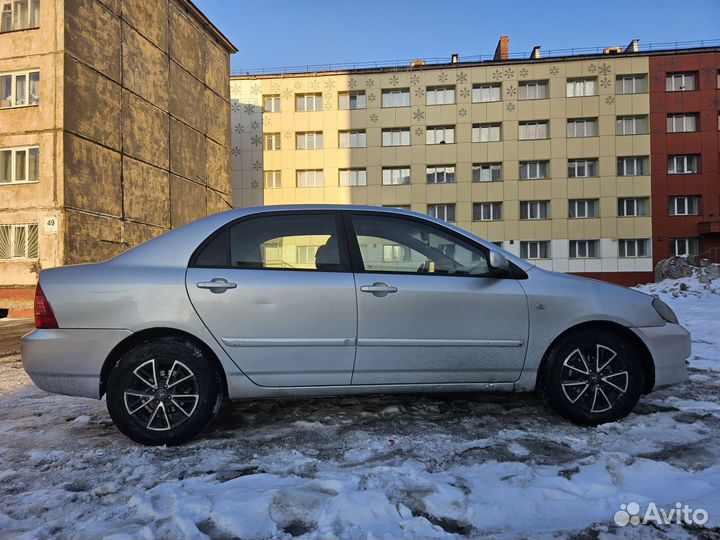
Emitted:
<point x="337" y="300"/>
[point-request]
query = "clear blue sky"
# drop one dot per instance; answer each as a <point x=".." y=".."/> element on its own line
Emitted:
<point x="273" y="33"/>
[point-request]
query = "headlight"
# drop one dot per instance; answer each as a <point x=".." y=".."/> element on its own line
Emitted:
<point x="664" y="311"/>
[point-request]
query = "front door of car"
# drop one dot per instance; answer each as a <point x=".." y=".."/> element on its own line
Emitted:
<point x="430" y="310"/>
<point x="277" y="293"/>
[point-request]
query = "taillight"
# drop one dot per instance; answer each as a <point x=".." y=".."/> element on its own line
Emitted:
<point x="44" y="316"/>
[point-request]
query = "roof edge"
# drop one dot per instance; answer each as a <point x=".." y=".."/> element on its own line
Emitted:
<point x="207" y="24"/>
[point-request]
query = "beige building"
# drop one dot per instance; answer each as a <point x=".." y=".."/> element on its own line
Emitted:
<point x="114" y="127"/>
<point x="547" y="157"/>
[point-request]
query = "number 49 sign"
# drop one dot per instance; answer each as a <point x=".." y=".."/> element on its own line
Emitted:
<point x="51" y="225"/>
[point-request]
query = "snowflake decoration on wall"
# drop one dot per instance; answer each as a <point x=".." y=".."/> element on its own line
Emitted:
<point x="275" y="88"/>
<point x="235" y="107"/>
<point x="352" y="83"/>
<point x="255" y="89"/>
<point x="255" y="184"/>
<point x="239" y="128"/>
<point x="715" y="102"/>
<point x="414" y="79"/>
<point x="605" y="82"/>
<point x="287" y="135"/>
<point x="497" y="75"/>
<point x="419" y="92"/>
<point x="256" y="166"/>
<point x="287" y="93"/>
<point x="657" y="78"/>
<point x="236" y="151"/>
<point x="509" y="73"/>
<point x="510" y="107"/>
<point x="418" y="115"/>
<point x="394" y="81"/>
<point x="371" y="97"/>
<point x="610" y="100"/>
<point x="315" y="84"/>
<point x="592" y="68"/>
<point x="255" y="124"/>
<point x="249" y="109"/>
<point x="419" y="131"/>
<point x="673" y="63"/>
<point x="462" y="112"/>
<point x="461" y="77"/>
<point x="328" y="104"/>
<point x="256" y="140"/>
<point x="510" y="90"/>
<point x="373" y="118"/>
<point x="297" y="85"/>
<point x="604" y="69"/>
<point x="523" y="73"/>
<point x="465" y="92"/>
<point x="329" y="84"/>
<point x="369" y="83"/>
<point x="442" y="77"/>
<point x="554" y="70"/>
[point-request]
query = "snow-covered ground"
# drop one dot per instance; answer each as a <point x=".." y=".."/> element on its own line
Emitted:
<point x="379" y="467"/>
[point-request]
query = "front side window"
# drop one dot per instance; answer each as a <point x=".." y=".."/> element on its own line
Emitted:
<point x="534" y="209"/>
<point x="353" y="177"/>
<point x="309" y="102"/>
<point x="682" y="123"/>
<point x="485" y="132"/>
<point x="310" y="140"/>
<point x="687" y="205"/>
<point x="634" y="247"/>
<point x="533" y="249"/>
<point x="353" y="139"/>
<point x="632" y="207"/>
<point x="487" y="211"/>
<point x="681" y="82"/>
<point x="21" y="89"/>
<point x="631" y="125"/>
<point x="440" y="174"/>
<point x="581" y="87"/>
<point x="19" y="15"/>
<point x="485" y="93"/>
<point x="396" y="98"/>
<point x="446" y="212"/>
<point x="396" y="137"/>
<point x="272" y="141"/>
<point x="583" y="208"/>
<point x="534" y="170"/>
<point x="684" y="246"/>
<point x="393" y="176"/>
<point x="311" y="178"/>
<point x="630" y="84"/>
<point x="271" y="103"/>
<point x="19" y="241"/>
<point x="273" y="180"/>
<point x="440" y="135"/>
<point x="440" y="95"/>
<point x="582" y="168"/>
<point x="632" y="166"/>
<point x="584" y="249"/>
<point x="487" y="172"/>
<point x="352" y="100"/>
<point x="19" y="165"/>
<point x="582" y="127"/>
<point x="686" y="164"/>
<point x="533" y="130"/>
<point x="533" y="90"/>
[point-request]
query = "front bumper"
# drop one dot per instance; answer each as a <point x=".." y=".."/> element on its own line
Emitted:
<point x="669" y="346"/>
<point x="69" y="361"/>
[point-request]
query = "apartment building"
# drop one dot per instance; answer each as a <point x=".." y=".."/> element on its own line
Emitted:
<point x="114" y="127"/>
<point x="550" y="158"/>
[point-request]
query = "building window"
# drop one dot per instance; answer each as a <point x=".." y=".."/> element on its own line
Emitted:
<point x="487" y="172"/>
<point x="582" y="127"/>
<point x="682" y="123"/>
<point x="681" y="82"/>
<point x="19" y="165"/>
<point x="581" y="87"/>
<point x="632" y="166"/>
<point x="353" y="139"/>
<point x="353" y="177"/>
<point x="485" y="93"/>
<point x="309" y="102"/>
<point x="394" y="253"/>
<point x="313" y="178"/>
<point x="309" y="140"/>
<point x="583" y="208"/>
<point x="396" y="137"/>
<point x="631" y="125"/>
<point x="396" y="98"/>
<point x="440" y="95"/>
<point x="584" y="249"/>
<point x="684" y="246"/>
<point x="271" y="103"/>
<point x="634" y="247"/>
<point x="440" y="135"/>
<point x="272" y="180"/>
<point x="687" y="164"/>
<point x="487" y="211"/>
<point x="533" y="90"/>
<point x="352" y="100"/>
<point x="534" y="209"/>
<point x="630" y="84"/>
<point x="632" y="207"/>
<point x="445" y="212"/>
<point x="19" y="89"/>
<point x="535" y="249"/>
<point x="394" y="176"/>
<point x="19" y="15"/>
<point x="533" y="130"/>
<point x="582" y="168"/>
<point x="534" y="170"/>
<point x="272" y="141"/>
<point x="485" y="132"/>
<point x="686" y="205"/>
<point x="440" y="174"/>
<point x="19" y="241"/>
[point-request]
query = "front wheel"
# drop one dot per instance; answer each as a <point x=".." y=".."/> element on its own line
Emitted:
<point x="163" y="391"/>
<point x="592" y="377"/>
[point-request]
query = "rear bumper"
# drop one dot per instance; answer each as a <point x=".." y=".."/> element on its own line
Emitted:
<point x="69" y="361"/>
<point x="670" y="346"/>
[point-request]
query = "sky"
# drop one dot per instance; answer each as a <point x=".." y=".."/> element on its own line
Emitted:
<point x="277" y="33"/>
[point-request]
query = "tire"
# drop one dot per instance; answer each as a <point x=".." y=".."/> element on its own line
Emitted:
<point x="571" y="385"/>
<point x="163" y="391"/>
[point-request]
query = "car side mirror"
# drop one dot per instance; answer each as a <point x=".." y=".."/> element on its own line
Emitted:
<point x="499" y="263"/>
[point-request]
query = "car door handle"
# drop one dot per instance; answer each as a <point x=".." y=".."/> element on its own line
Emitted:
<point x="216" y="285"/>
<point x="379" y="289"/>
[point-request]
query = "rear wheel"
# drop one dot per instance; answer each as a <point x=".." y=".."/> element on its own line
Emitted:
<point x="163" y="391"/>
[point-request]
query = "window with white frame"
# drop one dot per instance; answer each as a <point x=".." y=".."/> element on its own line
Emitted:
<point x="19" y="241"/>
<point x="682" y="123"/>
<point x="353" y="139"/>
<point x="533" y="130"/>
<point x="582" y="127"/>
<point x="686" y="164"/>
<point x="632" y="206"/>
<point x="352" y="100"/>
<point x="309" y="140"/>
<point x="445" y="212"/>
<point x="582" y="168"/>
<point x="584" y="249"/>
<point x="19" y="165"/>
<point x="310" y="178"/>
<point x="309" y="102"/>
<point x="396" y="253"/>
<point x="396" y="137"/>
<point x="393" y="176"/>
<point x="487" y="211"/>
<point x="583" y="208"/>
<point x="632" y="166"/>
<point x="685" y="205"/>
<point x="272" y="180"/>
<point x="19" y="89"/>
<point x="19" y="15"/>
<point x="534" y="209"/>
<point x="684" y="246"/>
<point x="272" y="141"/>
<point x="487" y="172"/>
<point x="681" y="82"/>
<point x="353" y="177"/>
<point x="535" y="249"/>
<point x="485" y="132"/>
<point x="581" y="87"/>
<point x="534" y="170"/>
<point x="631" y="125"/>
<point x="440" y="95"/>
<point x="271" y="103"/>
<point x="306" y="254"/>
<point x="397" y="97"/>
<point x="533" y="90"/>
<point x="440" y="135"/>
<point x="630" y="84"/>
<point x="634" y="247"/>
<point x="485" y="93"/>
<point x="440" y="174"/>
